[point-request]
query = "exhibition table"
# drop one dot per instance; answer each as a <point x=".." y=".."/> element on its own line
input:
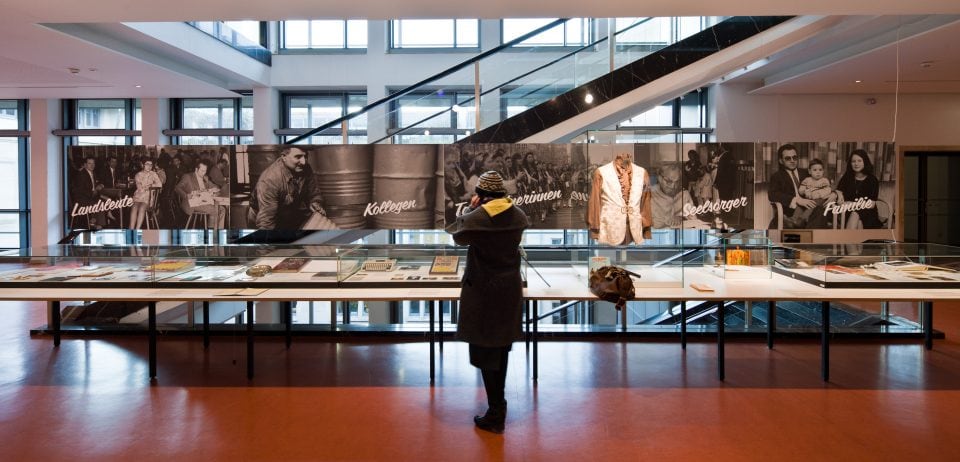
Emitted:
<point x="566" y="282"/>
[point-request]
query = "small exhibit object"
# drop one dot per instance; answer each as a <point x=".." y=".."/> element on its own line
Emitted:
<point x="379" y="264"/>
<point x="701" y="287"/>
<point x="258" y="270"/>
<point x="170" y="265"/>
<point x="738" y="257"/>
<point x="290" y="265"/>
<point x="445" y="264"/>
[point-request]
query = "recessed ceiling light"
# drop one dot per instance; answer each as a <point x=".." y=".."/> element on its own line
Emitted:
<point x="588" y="98"/>
<point x="138" y="86"/>
<point x="858" y="81"/>
<point x="426" y="132"/>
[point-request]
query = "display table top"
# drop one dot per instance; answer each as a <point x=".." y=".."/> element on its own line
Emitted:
<point x="566" y="283"/>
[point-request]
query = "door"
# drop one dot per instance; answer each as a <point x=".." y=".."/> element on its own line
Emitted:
<point x="931" y="200"/>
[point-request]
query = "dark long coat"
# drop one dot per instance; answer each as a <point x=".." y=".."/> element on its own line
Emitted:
<point x="491" y="296"/>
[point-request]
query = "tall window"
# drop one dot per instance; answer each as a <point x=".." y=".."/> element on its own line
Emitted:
<point x="308" y="111"/>
<point x="204" y="121"/>
<point x="328" y="34"/>
<point x="660" y="31"/>
<point x="234" y="33"/>
<point x="104" y="114"/>
<point x="514" y="100"/>
<point x="573" y="33"/>
<point x="14" y="213"/>
<point x="438" y="117"/>
<point x="434" y="33"/>
<point x="686" y="112"/>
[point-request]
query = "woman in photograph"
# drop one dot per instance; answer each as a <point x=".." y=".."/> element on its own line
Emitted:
<point x="859" y="181"/>
<point x="145" y="179"/>
<point x="511" y="174"/>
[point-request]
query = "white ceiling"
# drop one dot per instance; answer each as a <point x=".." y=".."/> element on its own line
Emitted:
<point x="35" y="57"/>
<point x="922" y="54"/>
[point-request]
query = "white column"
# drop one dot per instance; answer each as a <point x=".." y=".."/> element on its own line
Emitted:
<point x="155" y="113"/>
<point x="266" y="115"/>
<point x="377" y="82"/>
<point x="46" y="173"/>
<point x="155" y="117"/>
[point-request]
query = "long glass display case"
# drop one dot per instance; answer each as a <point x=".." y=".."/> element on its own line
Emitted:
<point x="402" y="266"/>
<point x="881" y="265"/>
<point x="173" y="266"/>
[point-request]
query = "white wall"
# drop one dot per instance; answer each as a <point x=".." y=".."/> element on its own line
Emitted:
<point x="921" y="120"/>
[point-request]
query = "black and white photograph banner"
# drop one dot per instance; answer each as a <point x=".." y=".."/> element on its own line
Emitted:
<point x="719" y="180"/>
<point x="549" y="182"/>
<point x="826" y="185"/>
<point x="148" y="187"/>
<point x="322" y="187"/>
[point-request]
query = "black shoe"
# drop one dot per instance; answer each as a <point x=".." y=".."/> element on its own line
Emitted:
<point x="493" y="420"/>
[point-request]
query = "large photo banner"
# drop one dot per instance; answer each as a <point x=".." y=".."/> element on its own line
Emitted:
<point x="272" y="187"/>
<point x="604" y="188"/>
<point x="548" y="181"/>
<point x="322" y="187"/>
<point x="148" y="187"/>
<point x="826" y="185"/>
<point x="719" y="178"/>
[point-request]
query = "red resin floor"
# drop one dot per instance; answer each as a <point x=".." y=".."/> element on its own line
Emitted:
<point x="651" y="401"/>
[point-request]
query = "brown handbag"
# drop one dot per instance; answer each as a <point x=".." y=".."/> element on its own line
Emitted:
<point x="613" y="284"/>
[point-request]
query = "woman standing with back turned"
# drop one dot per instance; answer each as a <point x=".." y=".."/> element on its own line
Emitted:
<point x="491" y="297"/>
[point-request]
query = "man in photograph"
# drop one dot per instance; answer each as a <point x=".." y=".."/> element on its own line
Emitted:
<point x="196" y="187"/>
<point x="85" y="190"/>
<point x="668" y="197"/>
<point x="785" y="190"/>
<point x="110" y="175"/>
<point x="286" y="194"/>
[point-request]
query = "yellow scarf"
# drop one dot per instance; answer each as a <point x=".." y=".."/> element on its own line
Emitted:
<point x="497" y="206"/>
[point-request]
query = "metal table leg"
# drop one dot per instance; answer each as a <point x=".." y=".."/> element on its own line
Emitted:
<point x="206" y="324"/>
<point x="535" y="339"/>
<point x="250" y="339"/>
<point x="771" y="322"/>
<point x="333" y="316"/>
<point x="432" y="339"/>
<point x="288" y="322"/>
<point x="526" y="324"/>
<point x="439" y="304"/>
<point x="55" y="322"/>
<point x="683" y="324"/>
<point x="152" y="338"/>
<point x="928" y="325"/>
<point x="825" y="341"/>
<point x="720" y="340"/>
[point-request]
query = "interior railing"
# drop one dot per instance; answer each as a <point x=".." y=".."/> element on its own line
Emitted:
<point x="505" y="80"/>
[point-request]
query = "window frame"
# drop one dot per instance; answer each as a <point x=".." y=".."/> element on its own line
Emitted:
<point x="344" y="48"/>
<point x="452" y="95"/>
<point x="286" y="131"/>
<point x="393" y="47"/>
<point x="589" y="35"/>
<point x="22" y="135"/>
<point x="224" y="135"/>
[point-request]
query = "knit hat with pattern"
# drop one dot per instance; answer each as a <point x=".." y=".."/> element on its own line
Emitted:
<point x="491" y="182"/>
